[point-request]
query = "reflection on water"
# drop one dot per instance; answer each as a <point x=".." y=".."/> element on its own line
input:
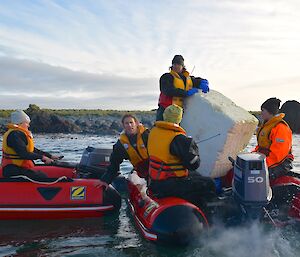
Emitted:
<point x="68" y="237"/>
<point x="117" y="236"/>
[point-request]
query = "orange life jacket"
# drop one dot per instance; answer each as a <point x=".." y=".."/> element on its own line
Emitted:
<point x="139" y="155"/>
<point x="9" y="155"/>
<point x="178" y="82"/>
<point x="274" y="139"/>
<point x="162" y="164"/>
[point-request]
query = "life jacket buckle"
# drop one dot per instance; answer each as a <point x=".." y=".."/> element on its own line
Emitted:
<point x="159" y="170"/>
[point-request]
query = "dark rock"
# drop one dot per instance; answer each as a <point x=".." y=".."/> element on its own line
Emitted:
<point x="45" y="122"/>
<point x="116" y="126"/>
<point x="147" y="122"/>
<point x="2" y="128"/>
<point x="292" y="115"/>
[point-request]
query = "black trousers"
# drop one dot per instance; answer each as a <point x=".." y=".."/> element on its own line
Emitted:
<point x="13" y="170"/>
<point x="159" y="113"/>
<point x="194" y="188"/>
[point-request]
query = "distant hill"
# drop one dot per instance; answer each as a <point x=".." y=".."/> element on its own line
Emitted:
<point x="104" y="122"/>
<point x="108" y="122"/>
<point x="78" y="112"/>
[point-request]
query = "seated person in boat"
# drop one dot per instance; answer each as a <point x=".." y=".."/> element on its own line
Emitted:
<point x="274" y="139"/>
<point x="132" y="146"/>
<point x="173" y="159"/>
<point x="18" y="151"/>
<point x="176" y="85"/>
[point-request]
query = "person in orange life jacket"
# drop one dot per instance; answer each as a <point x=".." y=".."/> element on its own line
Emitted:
<point x="132" y="146"/>
<point x="176" y="85"/>
<point x="18" y="151"/>
<point x="173" y="159"/>
<point x="274" y="139"/>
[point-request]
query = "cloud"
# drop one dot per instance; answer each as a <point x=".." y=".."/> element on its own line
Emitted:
<point x="24" y="82"/>
<point x="77" y="47"/>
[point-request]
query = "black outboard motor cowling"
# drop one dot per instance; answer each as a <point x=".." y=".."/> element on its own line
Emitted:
<point x="94" y="162"/>
<point x="251" y="186"/>
<point x="95" y="157"/>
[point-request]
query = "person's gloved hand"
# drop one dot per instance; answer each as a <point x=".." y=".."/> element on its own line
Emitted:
<point x="192" y="91"/>
<point x="204" y="85"/>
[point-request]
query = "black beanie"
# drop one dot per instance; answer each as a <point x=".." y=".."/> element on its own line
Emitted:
<point x="272" y="105"/>
<point x="178" y="59"/>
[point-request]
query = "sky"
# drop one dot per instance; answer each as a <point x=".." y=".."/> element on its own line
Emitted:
<point x="96" y="54"/>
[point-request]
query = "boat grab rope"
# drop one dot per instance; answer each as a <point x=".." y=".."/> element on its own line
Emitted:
<point x="41" y="182"/>
<point x="203" y="140"/>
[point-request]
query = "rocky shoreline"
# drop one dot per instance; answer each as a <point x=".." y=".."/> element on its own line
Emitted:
<point x="44" y="122"/>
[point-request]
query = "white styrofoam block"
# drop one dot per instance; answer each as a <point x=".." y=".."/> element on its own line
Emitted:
<point x="220" y="128"/>
<point x="136" y="179"/>
<point x="141" y="183"/>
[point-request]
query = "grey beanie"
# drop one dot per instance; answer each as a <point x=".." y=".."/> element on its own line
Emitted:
<point x="18" y="117"/>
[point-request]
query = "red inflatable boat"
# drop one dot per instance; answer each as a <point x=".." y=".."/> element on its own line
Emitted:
<point x="166" y="220"/>
<point x="67" y="193"/>
<point x="250" y="197"/>
<point x="285" y="204"/>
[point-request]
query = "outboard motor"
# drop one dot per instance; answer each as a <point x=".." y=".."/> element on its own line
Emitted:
<point x="93" y="162"/>
<point x="96" y="157"/>
<point x="251" y="186"/>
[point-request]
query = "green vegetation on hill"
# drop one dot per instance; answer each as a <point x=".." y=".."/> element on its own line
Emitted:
<point x="86" y="112"/>
<point x="5" y="113"/>
<point x="97" y="112"/>
<point x="79" y="112"/>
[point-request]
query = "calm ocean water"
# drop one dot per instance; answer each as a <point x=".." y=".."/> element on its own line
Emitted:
<point x="117" y="236"/>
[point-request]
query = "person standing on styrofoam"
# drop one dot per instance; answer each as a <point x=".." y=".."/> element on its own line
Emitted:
<point x="178" y="84"/>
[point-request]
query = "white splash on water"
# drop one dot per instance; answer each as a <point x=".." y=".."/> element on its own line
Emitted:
<point x="251" y="241"/>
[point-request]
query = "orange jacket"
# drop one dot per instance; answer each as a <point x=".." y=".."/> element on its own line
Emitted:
<point x="280" y="142"/>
